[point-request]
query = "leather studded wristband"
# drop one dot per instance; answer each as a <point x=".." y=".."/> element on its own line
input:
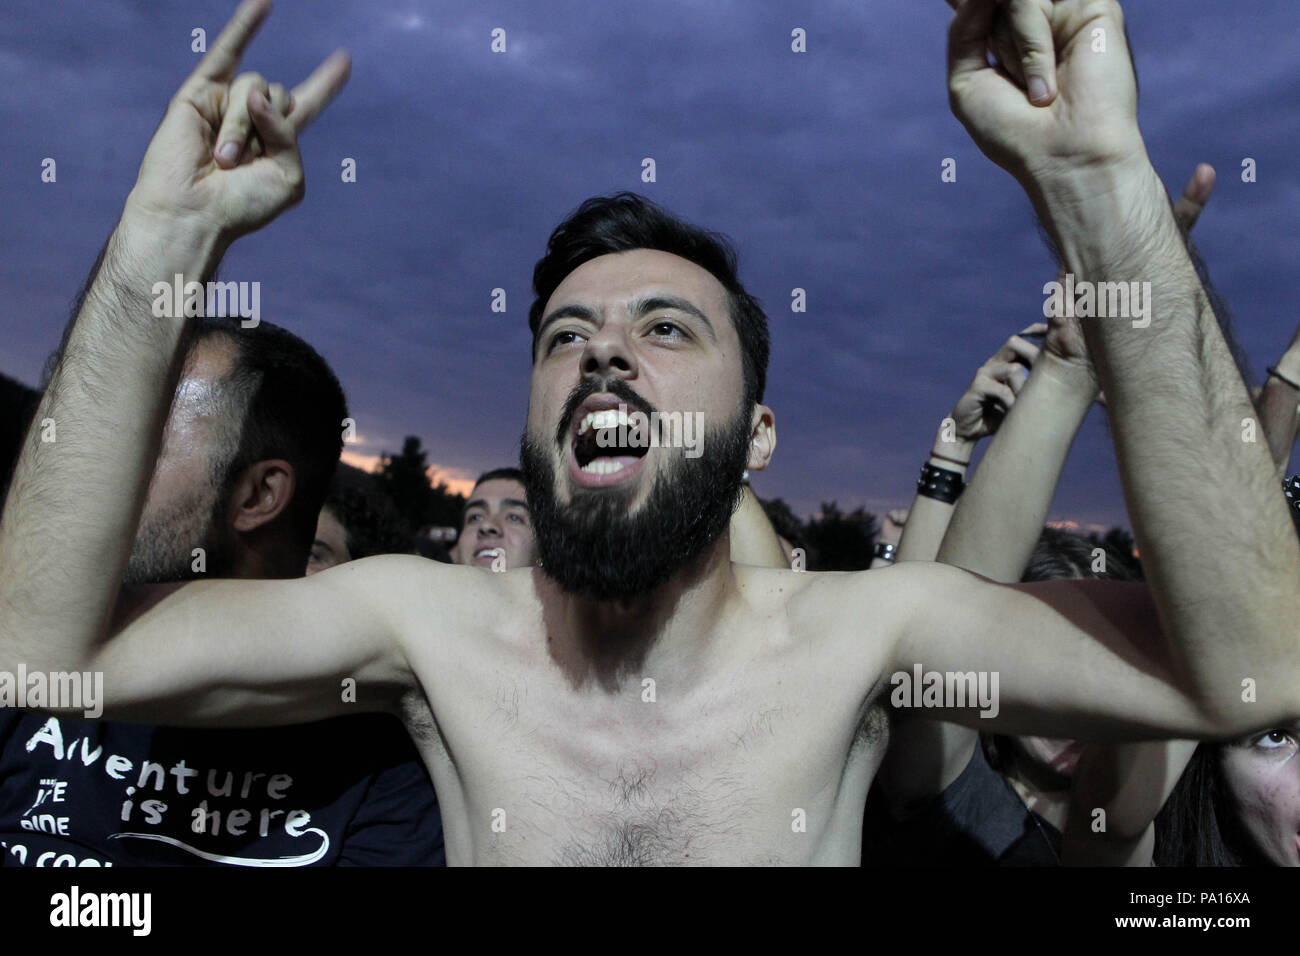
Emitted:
<point x="940" y="484"/>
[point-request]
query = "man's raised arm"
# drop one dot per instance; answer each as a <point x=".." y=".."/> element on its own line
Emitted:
<point x="1170" y="381"/>
<point x="223" y="162"/>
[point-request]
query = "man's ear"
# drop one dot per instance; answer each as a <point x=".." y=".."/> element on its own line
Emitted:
<point x="762" y="438"/>
<point x="261" y="494"/>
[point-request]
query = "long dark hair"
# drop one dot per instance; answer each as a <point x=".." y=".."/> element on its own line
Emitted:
<point x="1198" y="825"/>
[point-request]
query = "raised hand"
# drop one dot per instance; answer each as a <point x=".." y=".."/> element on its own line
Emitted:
<point x="980" y="411"/>
<point x="1078" y="107"/>
<point x="225" y="157"/>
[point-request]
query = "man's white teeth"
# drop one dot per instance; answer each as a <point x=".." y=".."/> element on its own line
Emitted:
<point x="488" y="552"/>
<point x="605" y="418"/>
<point x="603" y="466"/>
<point x="602" y="419"/>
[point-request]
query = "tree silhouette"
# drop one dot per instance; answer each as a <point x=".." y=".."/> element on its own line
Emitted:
<point x="406" y="476"/>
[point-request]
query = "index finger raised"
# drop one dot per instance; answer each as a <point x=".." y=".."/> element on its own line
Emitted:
<point x="221" y="62"/>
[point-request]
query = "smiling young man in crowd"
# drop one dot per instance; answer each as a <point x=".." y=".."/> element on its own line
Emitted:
<point x="497" y="530"/>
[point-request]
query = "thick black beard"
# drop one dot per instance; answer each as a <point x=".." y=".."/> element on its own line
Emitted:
<point x="594" y="548"/>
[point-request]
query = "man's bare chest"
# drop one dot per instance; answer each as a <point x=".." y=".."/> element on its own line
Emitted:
<point x="759" y="766"/>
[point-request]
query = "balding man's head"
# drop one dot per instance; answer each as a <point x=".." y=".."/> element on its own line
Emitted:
<point x="249" y="447"/>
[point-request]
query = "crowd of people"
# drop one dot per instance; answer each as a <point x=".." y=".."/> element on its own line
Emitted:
<point x="627" y="657"/>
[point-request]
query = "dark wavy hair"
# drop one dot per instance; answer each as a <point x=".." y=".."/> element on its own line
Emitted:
<point x="626" y="221"/>
<point x="1062" y="555"/>
<point x="371" y="522"/>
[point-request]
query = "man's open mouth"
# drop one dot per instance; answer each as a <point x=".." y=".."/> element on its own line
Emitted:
<point x="598" y="436"/>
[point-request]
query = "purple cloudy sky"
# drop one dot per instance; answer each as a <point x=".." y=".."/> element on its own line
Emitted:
<point x="823" y="167"/>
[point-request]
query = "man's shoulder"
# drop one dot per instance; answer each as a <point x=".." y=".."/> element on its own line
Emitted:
<point x="885" y="587"/>
<point x="857" y="606"/>
<point x="396" y="571"/>
<point x="458" y="602"/>
<point x="391" y="570"/>
<point x="414" y="581"/>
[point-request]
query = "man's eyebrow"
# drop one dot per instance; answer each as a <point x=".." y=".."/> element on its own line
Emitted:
<point x="505" y="503"/>
<point x="645" y="306"/>
<point x="639" y="307"/>
<point x="572" y="311"/>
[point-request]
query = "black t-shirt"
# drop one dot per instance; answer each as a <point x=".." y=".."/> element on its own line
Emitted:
<point x="978" y="820"/>
<point x="344" y="791"/>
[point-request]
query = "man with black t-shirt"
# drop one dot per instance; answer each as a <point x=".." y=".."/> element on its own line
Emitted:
<point x="247" y="452"/>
